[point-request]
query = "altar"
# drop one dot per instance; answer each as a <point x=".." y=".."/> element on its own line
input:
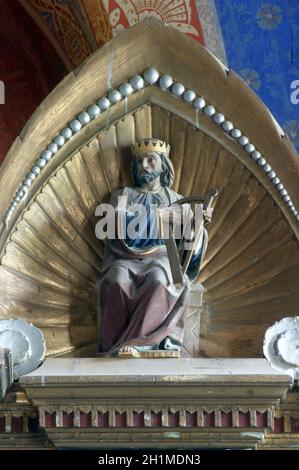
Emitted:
<point x="160" y="403"/>
<point x="151" y="81"/>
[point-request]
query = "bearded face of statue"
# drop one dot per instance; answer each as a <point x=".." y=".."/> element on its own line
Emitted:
<point x="147" y="167"/>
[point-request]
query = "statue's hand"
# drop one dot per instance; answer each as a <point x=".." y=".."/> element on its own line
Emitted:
<point x="207" y="214"/>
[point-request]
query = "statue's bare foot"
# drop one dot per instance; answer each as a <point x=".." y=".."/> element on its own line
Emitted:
<point x="127" y="351"/>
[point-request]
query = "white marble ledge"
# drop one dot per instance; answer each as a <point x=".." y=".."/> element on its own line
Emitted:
<point x="66" y="370"/>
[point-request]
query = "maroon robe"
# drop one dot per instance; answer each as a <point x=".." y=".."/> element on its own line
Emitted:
<point x="139" y="304"/>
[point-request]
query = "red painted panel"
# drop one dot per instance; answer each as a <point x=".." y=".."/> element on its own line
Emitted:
<point x="185" y="18"/>
<point x="174" y="419"/>
<point x="138" y="419"/>
<point x="17" y="424"/>
<point x="29" y="68"/>
<point x="156" y="419"/>
<point x="191" y="419"/>
<point x="103" y="420"/>
<point x="85" y="419"/>
<point x="68" y="420"/>
<point x="120" y="420"/>
<point x="261" y="419"/>
<point x="279" y="424"/>
<point x="208" y="419"/>
<point x="226" y="419"/>
<point x="50" y="420"/>
<point x="244" y="419"/>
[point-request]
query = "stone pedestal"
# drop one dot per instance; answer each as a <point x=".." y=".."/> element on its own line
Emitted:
<point x="166" y="403"/>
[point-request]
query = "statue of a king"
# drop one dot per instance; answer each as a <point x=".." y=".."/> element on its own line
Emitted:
<point x="142" y="309"/>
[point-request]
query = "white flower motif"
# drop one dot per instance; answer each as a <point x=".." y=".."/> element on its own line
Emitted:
<point x="269" y="16"/>
<point x="114" y="17"/>
<point x="251" y="77"/>
<point x="292" y="129"/>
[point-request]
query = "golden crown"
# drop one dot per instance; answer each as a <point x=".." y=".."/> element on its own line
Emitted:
<point x="151" y="145"/>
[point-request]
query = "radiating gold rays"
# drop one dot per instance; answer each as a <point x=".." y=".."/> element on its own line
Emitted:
<point x="52" y="260"/>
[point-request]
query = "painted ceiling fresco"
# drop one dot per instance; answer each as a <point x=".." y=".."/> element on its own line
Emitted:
<point x="257" y="39"/>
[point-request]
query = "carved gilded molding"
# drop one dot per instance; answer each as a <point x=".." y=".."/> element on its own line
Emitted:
<point x="113" y="96"/>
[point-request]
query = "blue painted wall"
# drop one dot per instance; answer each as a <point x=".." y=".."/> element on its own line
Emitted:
<point x="262" y="45"/>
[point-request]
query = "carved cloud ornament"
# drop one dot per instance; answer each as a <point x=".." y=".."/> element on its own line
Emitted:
<point x="26" y="343"/>
<point x="281" y="346"/>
